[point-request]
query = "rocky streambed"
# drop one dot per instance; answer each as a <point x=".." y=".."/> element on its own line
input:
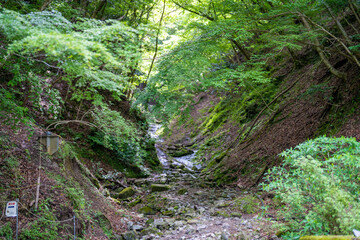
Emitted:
<point x="178" y="204"/>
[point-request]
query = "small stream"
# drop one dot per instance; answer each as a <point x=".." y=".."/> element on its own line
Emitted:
<point x="186" y="161"/>
<point x="189" y="207"/>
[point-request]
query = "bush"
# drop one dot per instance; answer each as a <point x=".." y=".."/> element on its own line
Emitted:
<point x="42" y="228"/>
<point x="319" y="184"/>
<point x="6" y="231"/>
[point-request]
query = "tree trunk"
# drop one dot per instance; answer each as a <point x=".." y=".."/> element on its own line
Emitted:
<point x="353" y="9"/>
<point x="321" y="53"/>
<point x="45" y="4"/>
<point x="338" y="24"/>
<point x="98" y="8"/>
<point x="242" y="49"/>
<point x="156" y="44"/>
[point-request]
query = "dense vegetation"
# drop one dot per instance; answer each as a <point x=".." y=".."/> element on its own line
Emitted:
<point x="319" y="183"/>
<point x="101" y="70"/>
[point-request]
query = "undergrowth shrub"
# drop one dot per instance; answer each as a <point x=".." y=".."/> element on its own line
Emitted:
<point x="6" y="232"/>
<point x="43" y="227"/>
<point x="119" y="135"/>
<point x="319" y="184"/>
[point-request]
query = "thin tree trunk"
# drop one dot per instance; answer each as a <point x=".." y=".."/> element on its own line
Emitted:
<point x="353" y="9"/>
<point x="242" y="49"/>
<point x="98" y="8"/>
<point x="353" y="57"/>
<point x="84" y="5"/>
<point x="156" y="44"/>
<point x="338" y="24"/>
<point x="103" y="11"/>
<point x="321" y="53"/>
<point x="45" y="5"/>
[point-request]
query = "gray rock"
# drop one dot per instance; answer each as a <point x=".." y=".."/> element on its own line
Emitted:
<point x="224" y="236"/>
<point x="161" y="224"/>
<point x="137" y="228"/>
<point x="179" y="223"/>
<point x="129" y="225"/>
<point x="131" y="235"/>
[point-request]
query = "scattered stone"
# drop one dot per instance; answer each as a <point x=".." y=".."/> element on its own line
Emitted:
<point x="168" y="213"/>
<point x="159" y="187"/>
<point x="182" y="191"/>
<point x="129" y="225"/>
<point x="146" y="210"/>
<point x="224" y="236"/>
<point x="179" y="223"/>
<point x="137" y="228"/>
<point x="126" y="193"/>
<point x="161" y="224"/>
<point x="193" y="221"/>
<point x="236" y="214"/>
<point x="221" y="204"/>
<point x="131" y="235"/>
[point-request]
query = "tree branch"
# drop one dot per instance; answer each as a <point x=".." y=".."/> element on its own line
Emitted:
<point x="193" y="11"/>
<point x="156" y="44"/>
<point x="36" y="60"/>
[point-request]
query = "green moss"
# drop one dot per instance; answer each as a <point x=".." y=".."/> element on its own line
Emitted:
<point x="159" y="187"/>
<point x="337" y="118"/>
<point x="181" y="152"/>
<point x="236" y="214"/>
<point x="239" y="109"/>
<point x="135" y="202"/>
<point x="126" y="193"/>
<point x="247" y="204"/>
<point x="182" y="191"/>
<point x="169" y="213"/>
<point x="221" y="213"/>
<point x="330" y="237"/>
<point x="146" y="210"/>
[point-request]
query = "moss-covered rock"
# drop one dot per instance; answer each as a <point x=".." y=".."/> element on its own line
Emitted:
<point x="146" y="210"/>
<point x="126" y="193"/>
<point x="236" y="214"/>
<point x="182" y="191"/>
<point x="180" y="152"/>
<point x="330" y="237"/>
<point x="135" y="202"/>
<point x="159" y="187"/>
<point x="247" y="204"/>
<point x="131" y="235"/>
<point x="169" y="213"/>
<point x="221" y="213"/>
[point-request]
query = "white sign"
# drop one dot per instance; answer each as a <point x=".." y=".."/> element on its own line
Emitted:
<point x="11" y="209"/>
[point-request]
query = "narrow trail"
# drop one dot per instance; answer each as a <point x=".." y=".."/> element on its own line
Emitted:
<point x="183" y="206"/>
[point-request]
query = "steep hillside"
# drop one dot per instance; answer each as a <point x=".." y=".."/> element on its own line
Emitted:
<point x="239" y="136"/>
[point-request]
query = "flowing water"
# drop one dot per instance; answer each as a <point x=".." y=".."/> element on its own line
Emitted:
<point x="190" y="208"/>
<point x="186" y="161"/>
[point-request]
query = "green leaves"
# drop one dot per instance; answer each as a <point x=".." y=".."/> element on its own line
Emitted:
<point x="319" y="184"/>
<point x="99" y="58"/>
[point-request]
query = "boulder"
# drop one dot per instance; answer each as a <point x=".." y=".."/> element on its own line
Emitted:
<point x="131" y="235"/>
<point x="182" y="191"/>
<point x="159" y="187"/>
<point x="236" y="214"/>
<point x="126" y="193"/>
<point x="146" y="210"/>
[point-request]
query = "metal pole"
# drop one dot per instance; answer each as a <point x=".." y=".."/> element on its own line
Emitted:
<point x="74" y="229"/>
<point x="17" y="218"/>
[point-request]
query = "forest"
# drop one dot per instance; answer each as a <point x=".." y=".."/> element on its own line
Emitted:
<point x="185" y="119"/>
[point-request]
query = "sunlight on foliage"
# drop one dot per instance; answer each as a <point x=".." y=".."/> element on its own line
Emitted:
<point x="319" y="185"/>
